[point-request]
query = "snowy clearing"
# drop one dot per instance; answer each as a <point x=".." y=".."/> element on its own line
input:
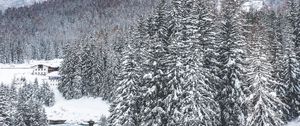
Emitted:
<point x="77" y="111"/>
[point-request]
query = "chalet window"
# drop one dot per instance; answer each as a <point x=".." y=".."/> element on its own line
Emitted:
<point x="40" y="66"/>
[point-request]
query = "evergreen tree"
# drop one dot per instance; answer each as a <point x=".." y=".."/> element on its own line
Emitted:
<point x="263" y="104"/>
<point x="13" y="98"/>
<point x="155" y="68"/>
<point x="110" y="71"/>
<point x="208" y="23"/>
<point x="294" y="19"/>
<point x="30" y="111"/>
<point x="91" y="69"/>
<point x="291" y="60"/>
<point x="36" y="91"/>
<point x="47" y="95"/>
<point x="190" y="100"/>
<point x="175" y="68"/>
<point x="129" y="88"/>
<point x="19" y="121"/>
<point x="290" y="77"/>
<point x="40" y="118"/>
<point x="274" y="23"/>
<point x="231" y="57"/>
<point x="125" y="110"/>
<point x="71" y="84"/>
<point x="5" y="119"/>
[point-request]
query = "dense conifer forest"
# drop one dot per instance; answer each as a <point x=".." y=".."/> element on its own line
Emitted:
<point x="159" y="63"/>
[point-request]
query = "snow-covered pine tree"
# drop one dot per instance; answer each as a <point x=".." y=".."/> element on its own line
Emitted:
<point x="175" y="66"/>
<point x="274" y="23"/>
<point x="155" y="68"/>
<point x="125" y="110"/>
<point x="30" y="111"/>
<point x="130" y="80"/>
<point x="291" y="60"/>
<point x="39" y="116"/>
<point x="231" y="53"/>
<point x="5" y="119"/>
<point x="24" y="94"/>
<point x="47" y="95"/>
<point x="19" y="121"/>
<point x="190" y="100"/>
<point x="294" y="18"/>
<point x="264" y="107"/>
<point x="198" y="76"/>
<point x="36" y="91"/>
<point x="33" y="113"/>
<point x="92" y="73"/>
<point x="278" y="40"/>
<point x="110" y="71"/>
<point x="71" y="83"/>
<point x="13" y="98"/>
<point x="208" y="21"/>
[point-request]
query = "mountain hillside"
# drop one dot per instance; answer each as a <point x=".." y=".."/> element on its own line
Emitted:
<point x="42" y="30"/>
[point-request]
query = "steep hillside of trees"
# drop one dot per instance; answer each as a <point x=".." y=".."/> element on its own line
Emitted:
<point x="42" y="30"/>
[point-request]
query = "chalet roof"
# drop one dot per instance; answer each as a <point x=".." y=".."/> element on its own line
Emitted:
<point x="52" y="63"/>
<point x="48" y="65"/>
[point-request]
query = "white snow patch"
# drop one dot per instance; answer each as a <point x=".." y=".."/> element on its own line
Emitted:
<point x="254" y="4"/>
<point x="296" y="122"/>
<point x="77" y="110"/>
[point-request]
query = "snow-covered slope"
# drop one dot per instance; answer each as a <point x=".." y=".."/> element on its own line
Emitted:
<point x="4" y="4"/>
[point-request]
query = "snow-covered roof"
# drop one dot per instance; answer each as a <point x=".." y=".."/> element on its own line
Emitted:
<point x="48" y="65"/>
<point x="51" y="63"/>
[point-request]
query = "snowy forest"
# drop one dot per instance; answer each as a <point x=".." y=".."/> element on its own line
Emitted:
<point x="159" y="63"/>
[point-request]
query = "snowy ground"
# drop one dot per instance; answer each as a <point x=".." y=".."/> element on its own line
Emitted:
<point x="77" y="111"/>
<point x="74" y="111"/>
<point x="296" y="122"/>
